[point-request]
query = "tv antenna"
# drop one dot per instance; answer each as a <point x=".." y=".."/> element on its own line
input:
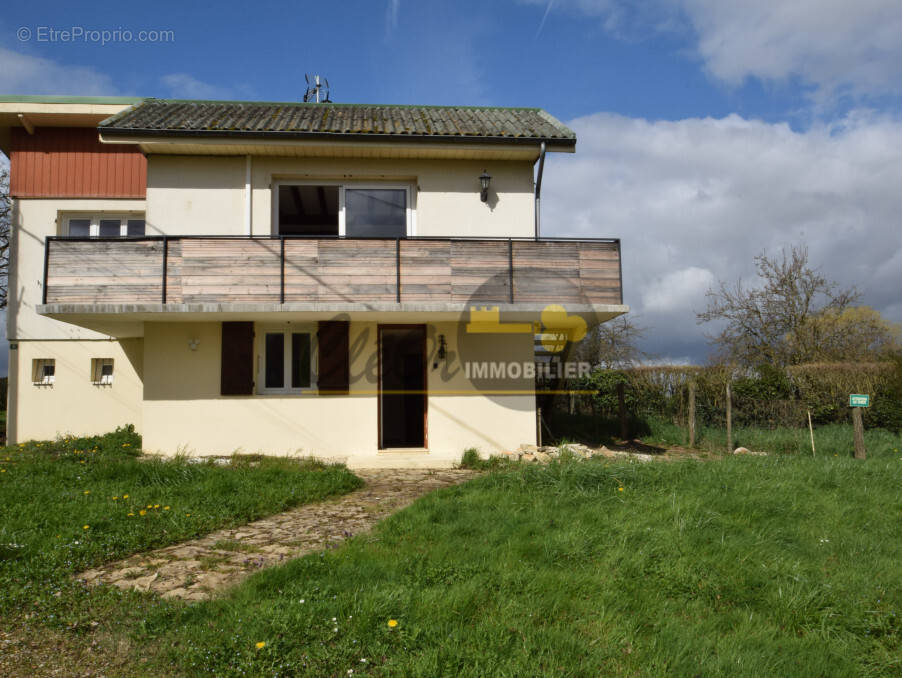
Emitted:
<point x="316" y="91"/>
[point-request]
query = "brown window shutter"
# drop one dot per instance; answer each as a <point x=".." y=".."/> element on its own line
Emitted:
<point x="334" y="373"/>
<point x="237" y="358"/>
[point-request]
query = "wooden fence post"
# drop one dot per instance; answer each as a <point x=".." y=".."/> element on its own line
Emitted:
<point x="858" y="425"/>
<point x="621" y="406"/>
<point x="729" y="418"/>
<point x="691" y="414"/>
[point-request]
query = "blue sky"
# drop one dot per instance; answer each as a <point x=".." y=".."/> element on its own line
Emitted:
<point x="709" y="130"/>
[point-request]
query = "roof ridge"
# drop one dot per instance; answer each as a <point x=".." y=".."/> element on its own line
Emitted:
<point x="335" y="103"/>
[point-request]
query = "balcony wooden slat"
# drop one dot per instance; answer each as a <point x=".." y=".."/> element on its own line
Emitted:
<point x="212" y="270"/>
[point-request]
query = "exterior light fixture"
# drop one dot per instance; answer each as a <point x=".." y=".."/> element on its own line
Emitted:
<point x="484" y="180"/>
<point x="193" y="344"/>
<point x="442" y="347"/>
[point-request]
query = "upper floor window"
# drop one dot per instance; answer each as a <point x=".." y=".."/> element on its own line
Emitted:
<point x="352" y="210"/>
<point x="103" y="225"/>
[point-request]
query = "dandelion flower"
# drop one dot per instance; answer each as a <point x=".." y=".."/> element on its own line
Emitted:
<point x="156" y="506"/>
<point x="620" y="489"/>
<point x="187" y="515"/>
<point x="115" y="498"/>
<point x="165" y="508"/>
<point x="392" y="623"/>
<point x="131" y="514"/>
<point x="86" y="527"/>
<point x="125" y="496"/>
<point x="142" y="512"/>
<point x="87" y="491"/>
<point x="2" y="470"/>
<point x="261" y="645"/>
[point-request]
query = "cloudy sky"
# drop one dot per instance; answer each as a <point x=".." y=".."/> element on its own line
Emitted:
<point x="709" y="130"/>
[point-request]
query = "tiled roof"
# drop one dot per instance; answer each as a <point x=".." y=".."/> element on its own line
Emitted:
<point x="169" y="117"/>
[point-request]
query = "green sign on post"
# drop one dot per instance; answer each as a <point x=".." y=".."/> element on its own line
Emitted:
<point x="859" y="400"/>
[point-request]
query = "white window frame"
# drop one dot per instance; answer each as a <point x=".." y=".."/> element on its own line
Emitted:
<point x="38" y="378"/>
<point x="408" y="188"/>
<point x="97" y="217"/>
<point x="98" y="378"/>
<point x="286" y="329"/>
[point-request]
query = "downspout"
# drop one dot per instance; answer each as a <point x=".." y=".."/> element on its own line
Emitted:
<point x="539" y="189"/>
<point x="247" y="195"/>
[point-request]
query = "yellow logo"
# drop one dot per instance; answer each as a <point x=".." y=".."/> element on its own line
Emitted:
<point x="555" y="330"/>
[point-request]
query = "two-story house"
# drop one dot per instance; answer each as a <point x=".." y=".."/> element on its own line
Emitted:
<point x="357" y="282"/>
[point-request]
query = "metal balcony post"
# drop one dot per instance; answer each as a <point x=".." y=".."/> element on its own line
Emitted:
<point x="165" y="262"/>
<point x="510" y="267"/>
<point x="282" y="271"/>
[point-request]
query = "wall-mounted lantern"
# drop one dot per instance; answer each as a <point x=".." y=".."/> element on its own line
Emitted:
<point x="484" y="180"/>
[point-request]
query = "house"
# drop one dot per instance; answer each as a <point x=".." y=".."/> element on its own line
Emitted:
<point x="357" y="282"/>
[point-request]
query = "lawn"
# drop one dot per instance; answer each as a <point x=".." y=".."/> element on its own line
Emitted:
<point x="745" y="566"/>
<point x="780" y="565"/>
<point x="72" y="504"/>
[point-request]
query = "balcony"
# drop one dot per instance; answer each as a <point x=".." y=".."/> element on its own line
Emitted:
<point x="165" y="274"/>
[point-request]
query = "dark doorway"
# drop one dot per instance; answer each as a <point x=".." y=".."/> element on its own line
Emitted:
<point x="402" y="386"/>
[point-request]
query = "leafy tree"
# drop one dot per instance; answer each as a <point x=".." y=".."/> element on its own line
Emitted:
<point x="774" y="322"/>
<point x="857" y="333"/>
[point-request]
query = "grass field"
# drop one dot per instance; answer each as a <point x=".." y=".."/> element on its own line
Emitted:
<point x="745" y="566"/>
<point x="781" y="565"/>
<point x="72" y="504"/>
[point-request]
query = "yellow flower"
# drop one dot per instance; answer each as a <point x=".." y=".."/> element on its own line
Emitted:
<point x="115" y="498"/>
<point x="86" y="527"/>
<point x="82" y="461"/>
<point x="131" y="514"/>
<point x="156" y="506"/>
<point x="261" y="645"/>
<point x="150" y="506"/>
<point x="125" y="496"/>
<point x="620" y="489"/>
<point x="2" y="470"/>
<point x="392" y="623"/>
<point x="165" y="508"/>
<point x="142" y="512"/>
<point x="187" y="515"/>
<point x="87" y="491"/>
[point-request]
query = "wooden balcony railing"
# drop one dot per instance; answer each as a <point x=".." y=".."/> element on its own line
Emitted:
<point x="203" y="269"/>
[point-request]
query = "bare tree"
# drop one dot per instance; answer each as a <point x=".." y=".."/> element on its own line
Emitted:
<point x="5" y="221"/>
<point x="767" y="323"/>
<point x="613" y="344"/>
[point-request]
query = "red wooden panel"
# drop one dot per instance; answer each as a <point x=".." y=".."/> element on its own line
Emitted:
<point x="70" y="162"/>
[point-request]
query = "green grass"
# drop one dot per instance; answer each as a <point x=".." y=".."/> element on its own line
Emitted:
<point x="829" y="439"/>
<point x="773" y="566"/>
<point x="65" y="506"/>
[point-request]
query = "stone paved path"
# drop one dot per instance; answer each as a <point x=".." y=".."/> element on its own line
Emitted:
<point x="195" y="570"/>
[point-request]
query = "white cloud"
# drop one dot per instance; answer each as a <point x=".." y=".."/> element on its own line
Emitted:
<point x="695" y="200"/>
<point x="185" y="86"/>
<point x="837" y="46"/>
<point x="27" y="74"/>
<point x="391" y="17"/>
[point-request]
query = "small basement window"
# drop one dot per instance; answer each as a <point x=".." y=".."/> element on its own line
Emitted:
<point x="103" y="225"/>
<point x="102" y="371"/>
<point x="286" y="360"/>
<point x="43" y="371"/>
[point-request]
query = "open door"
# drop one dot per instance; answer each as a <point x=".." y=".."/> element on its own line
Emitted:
<point x="402" y="386"/>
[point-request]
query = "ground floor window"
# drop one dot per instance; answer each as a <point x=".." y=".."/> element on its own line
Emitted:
<point x="43" y="371"/>
<point x="102" y="371"/>
<point x="286" y="359"/>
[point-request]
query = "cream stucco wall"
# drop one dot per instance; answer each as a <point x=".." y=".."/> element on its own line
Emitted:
<point x="183" y="411"/>
<point x="192" y="195"/>
<point x="72" y="404"/>
<point x="34" y="220"/>
<point x="206" y="195"/>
